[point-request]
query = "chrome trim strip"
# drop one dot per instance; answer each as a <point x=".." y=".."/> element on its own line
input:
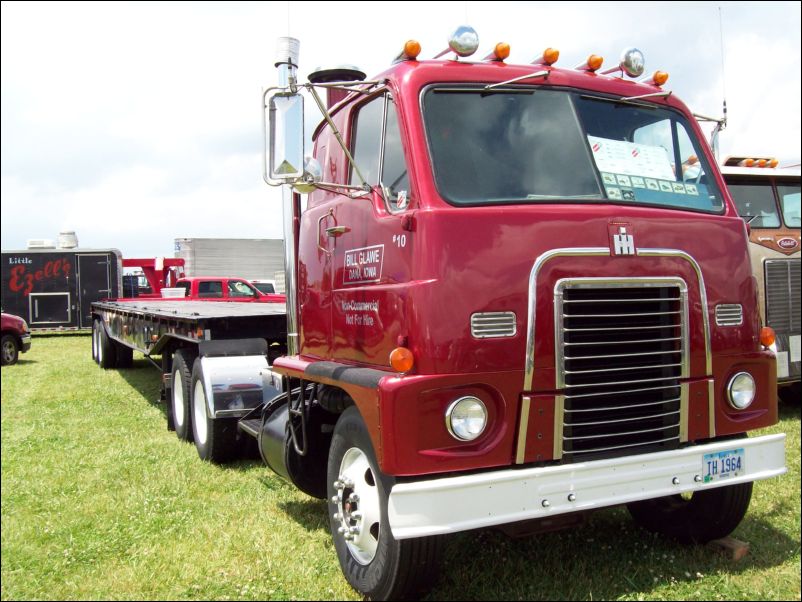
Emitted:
<point x="627" y="369"/>
<point x="522" y="428"/>
<point x="601" y="449"/>
<point x="608" y="435"/>
<point x="626" y="382"/>
<point x="619" y="300"/>
<point x="559" y="420"/>
<point x="620" y="392"/>
<point x="711" y="407"/>
<point x="649" y="417"/>
<point x="627" y="407"/>
<point x="598" y="357"/>
<point x="684" y="411"/>
<point x="658" y="313"/>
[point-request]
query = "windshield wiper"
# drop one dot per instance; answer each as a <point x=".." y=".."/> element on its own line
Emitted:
<point x="543" y="74"/>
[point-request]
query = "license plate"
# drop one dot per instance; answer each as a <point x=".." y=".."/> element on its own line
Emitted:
<point x="723" y="465"/>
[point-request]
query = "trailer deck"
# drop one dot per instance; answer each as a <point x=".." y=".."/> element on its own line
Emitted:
<point x="193" y="310"/>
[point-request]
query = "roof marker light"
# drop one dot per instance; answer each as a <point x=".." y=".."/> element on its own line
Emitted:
<point x="746" y="163"/>
<point x="500" y="52"/>
<point x="592" y="64"/>
<point x="410" y="51"/>
<point x="463" y="42"/>
<point x="761" y="162"/>
<point x="549" y="57"/>
<point x="658" y="78"/>
<point x="773" y="163"/>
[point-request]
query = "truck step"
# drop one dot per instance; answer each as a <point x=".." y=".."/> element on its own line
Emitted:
<point x="250" y="427"/>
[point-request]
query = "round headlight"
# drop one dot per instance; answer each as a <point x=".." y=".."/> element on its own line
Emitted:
<point x="466" y="418"/>
<point x="741" y="390"/>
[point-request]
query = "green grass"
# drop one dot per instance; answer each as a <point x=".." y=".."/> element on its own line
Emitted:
<point x="99" y="500"/>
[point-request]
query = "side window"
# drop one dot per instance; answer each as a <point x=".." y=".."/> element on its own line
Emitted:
<point x="366" y="141"/>
<point x="210" y="289"/>
<point x="237" y="288"/>
<point x="185" y="286"/>
<point x="394" y="175"/>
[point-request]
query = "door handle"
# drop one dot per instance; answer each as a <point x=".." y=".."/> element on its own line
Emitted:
<point x="336" y="231"/>
<point x="326" y="215"/>
<point x="36" y="307"/>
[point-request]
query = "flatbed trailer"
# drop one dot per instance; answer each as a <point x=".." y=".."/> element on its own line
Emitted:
<point x="215" y="360"/>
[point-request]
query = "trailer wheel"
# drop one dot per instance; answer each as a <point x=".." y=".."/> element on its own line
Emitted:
<point x="180" y="394"/>
<point x="106" y="350"/>
<point x="215" y="438"/>
<point x="705" y="516"/>
<point x="372" y="560"/>
<point x="10" y="349"/>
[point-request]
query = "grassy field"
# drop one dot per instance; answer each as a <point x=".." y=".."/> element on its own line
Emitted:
<point x="100" y="501"/>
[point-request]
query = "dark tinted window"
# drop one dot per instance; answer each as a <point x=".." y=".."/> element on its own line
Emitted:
<point x="755" y="202"/>
<point x="265" y="287"/>
<point x="211" y="288"/>
<point x="789" y="201"/>
<point x="366" y="141"/>
<point x="186" y="286"/>
<point x="507" y="146"/>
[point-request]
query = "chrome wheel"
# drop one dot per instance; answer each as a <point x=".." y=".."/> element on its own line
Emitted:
<point x="358" y="506"/>
<point x="9" y="351"/>
<point x="178" y="399"/>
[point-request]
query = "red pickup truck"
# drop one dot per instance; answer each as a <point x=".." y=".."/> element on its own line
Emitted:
<point x="224" y="289"/>
<point x="16" y="338"/>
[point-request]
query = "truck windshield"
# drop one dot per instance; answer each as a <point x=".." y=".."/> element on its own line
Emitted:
<point x="520" y="145"/>
<point x="755" y="202"/>
<point x="789" y="200"/>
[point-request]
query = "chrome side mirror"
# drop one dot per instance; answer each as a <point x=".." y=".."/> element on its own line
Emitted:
<point x="284" y="114"/>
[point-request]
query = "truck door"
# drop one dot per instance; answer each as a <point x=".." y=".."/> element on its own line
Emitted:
<point x="370" y="249"/>
<point x="94" y="284"/>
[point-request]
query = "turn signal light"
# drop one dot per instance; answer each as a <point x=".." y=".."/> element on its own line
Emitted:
<point x="767" y="336"/>
<point x="401" y="360"/>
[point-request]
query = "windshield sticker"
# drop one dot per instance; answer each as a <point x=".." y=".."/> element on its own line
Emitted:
<point x="666" y="186"/>
<point x="652" y="184"/>
<point x="363" y="265"/>
<point x="691" y="189"/>
<point x="679" y="188"/>
<point x="638" y="182"/>
<point x="631" y="159"/>
<point x="614" y="193"/>
<point x="628" y="194"/>
<point x="608" y="178"/>
<point x="624" y="181"/>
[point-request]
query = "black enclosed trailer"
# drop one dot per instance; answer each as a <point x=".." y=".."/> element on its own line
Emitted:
<point x="55" y="288"/>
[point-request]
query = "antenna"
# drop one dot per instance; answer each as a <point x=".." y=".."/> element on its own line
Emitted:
<point x="721" y="123"/>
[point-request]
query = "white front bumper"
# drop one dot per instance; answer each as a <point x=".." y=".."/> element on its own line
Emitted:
<point x="460" y="503"/>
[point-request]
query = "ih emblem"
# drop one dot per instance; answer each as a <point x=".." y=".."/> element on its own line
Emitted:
<point x="623" y="243"/>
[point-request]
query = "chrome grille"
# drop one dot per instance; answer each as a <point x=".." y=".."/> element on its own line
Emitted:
<point x="782" y="296"/>
<point x="493" y="324"/>
<point x="729" y="315"/>
<point x="622" y="348"/>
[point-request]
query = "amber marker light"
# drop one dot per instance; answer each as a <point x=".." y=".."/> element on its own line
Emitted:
<point x="412" y="49"/>
<point x="746" y="163"/>
<point x="773" y="163"/>
<point x="501" y="51"/>
<point x="762" y="163"/>
<point x="660" y="77"/>
<point x="767" y="336"/>
<point x="401" y="360"/>
<point x="550" y="56"/>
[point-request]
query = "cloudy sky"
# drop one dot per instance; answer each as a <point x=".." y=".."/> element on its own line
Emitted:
<point x="137" y="123"/>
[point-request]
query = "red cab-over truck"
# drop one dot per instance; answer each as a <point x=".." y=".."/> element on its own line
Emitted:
<point x="506" y="306"/>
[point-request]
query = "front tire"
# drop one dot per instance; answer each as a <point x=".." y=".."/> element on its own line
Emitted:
<point x="215" y="438"/>
<point x="707" y="515"/>
<point x="372" y="560"/>
<point x="10" y="349"/>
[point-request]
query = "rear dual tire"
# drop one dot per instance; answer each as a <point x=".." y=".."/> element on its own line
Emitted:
<point x="215" y="438"/>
